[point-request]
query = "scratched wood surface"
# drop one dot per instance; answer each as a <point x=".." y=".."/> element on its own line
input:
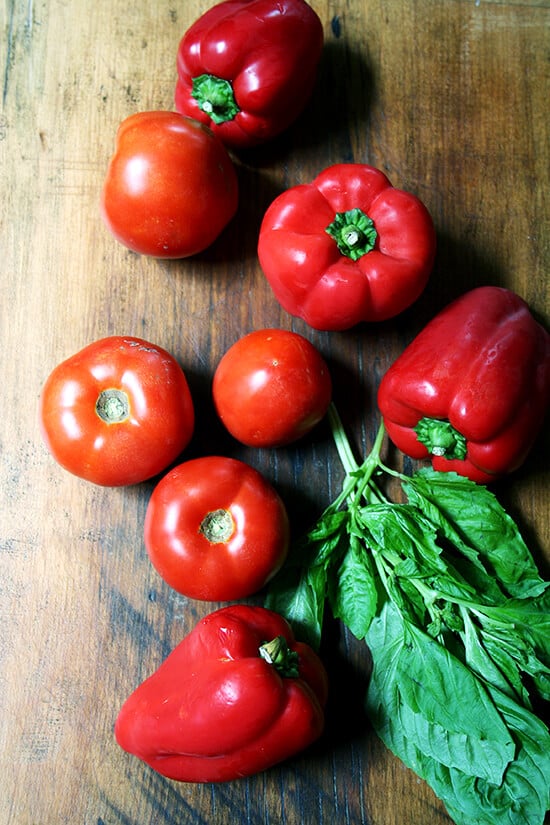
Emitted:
<point x="450" y="98"/>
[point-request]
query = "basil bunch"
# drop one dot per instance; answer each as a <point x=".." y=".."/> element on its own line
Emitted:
<point x="448" y="598"/>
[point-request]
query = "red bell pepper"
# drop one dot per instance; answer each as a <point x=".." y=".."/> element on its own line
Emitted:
<point x="247" y="68"/>
<point x="346" y="248"/>
<point x="472" y="388"/>
<point x="238" y="695"/>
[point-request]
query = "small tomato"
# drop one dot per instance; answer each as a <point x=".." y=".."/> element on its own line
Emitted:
<point x="215" y="529"/>
<point x="170" y="187"/>
<point x="271" y="388"/>
<point x="117" y="412"/>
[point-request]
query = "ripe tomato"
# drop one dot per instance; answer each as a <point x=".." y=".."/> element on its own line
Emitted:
<point x="171" y="186"/>
<point x="271" y="388"/>
<point x="215" y="529"/>
<point x="117" y="412"/>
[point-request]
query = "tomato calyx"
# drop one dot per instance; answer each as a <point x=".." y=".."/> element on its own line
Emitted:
<point x="113" y="406"/>
<point x="215" y="97"/>
<point x="278" y="654"/>
<point x="217" y="526"/>
<point x="353" y="232"/>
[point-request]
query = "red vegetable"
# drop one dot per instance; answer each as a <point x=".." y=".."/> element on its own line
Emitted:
<point x="271" y="388"/>
<point x="247" y="68"/>
<point x="472" y="389"/>
<point x="117" y="412"/>
<point x="236" y="696"/>
<point x="346" y="248"/>
<point x="170" y="187"/>
<point x="216" y="529"/>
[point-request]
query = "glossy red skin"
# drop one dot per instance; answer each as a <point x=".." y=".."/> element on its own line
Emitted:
<point x="309" y="275"/>
<point x="114" y="454"/>
<point x="216" y="711"/>
<point x="483" y="364"/>
<point x="170" y="187"/>
<point x="268" y="50"/>
<point x="271" y="388"/>
<point x="223" y="570"/>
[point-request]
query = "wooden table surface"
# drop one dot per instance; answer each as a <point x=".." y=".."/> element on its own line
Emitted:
<point x="450" y="99"/>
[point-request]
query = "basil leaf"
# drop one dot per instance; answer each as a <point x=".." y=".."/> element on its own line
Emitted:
<point x="451" y="749"/>
<point x="403" y="530"/>
<point x="499" y="671"/>
<point x="353" y="594"/>
<point x="513" y="652"/>
<point x="299" y="596"/>
<point x="325" y="538"/>
<point x="407" y="598"/>
<point x="299" y="590"/>
<point x="435" y="687"/>
<point x="520" y="798"/>
<point x="327" y="525"/>
<point x="382" y="701"/>
<point x="517" y="636"/>
<point x="523" y="797"/>
<point x="470" y="517"/>
<point x="531" y="617"/>
<point x="527" y="779"/>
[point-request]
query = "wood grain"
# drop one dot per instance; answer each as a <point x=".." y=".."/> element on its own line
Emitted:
<point x="450" y="99"/>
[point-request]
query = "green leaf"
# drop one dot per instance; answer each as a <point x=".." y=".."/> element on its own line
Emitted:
<point x="517" y="636"/>
<point x="435" y="686"/>
<point x="528" y="777"/>
<point x="299" y="596"/>
<point x="319" y="544"/>
<point x="405" y="542"/>
<point x="515" y="652"/>
<point x="402" y="532"/>
<point x="327" y="525"/>
<point x="298" y="592"/>
<point x="454" y="750"/>
<point x="499" y="671"/>
<point x="470" y="517"/>
<point x="521" y="798"/>
<point x="353" y="594"/>
<point x="531" y="617"/>
<point x="453" y="589"/>
<point x="407" y="598"/>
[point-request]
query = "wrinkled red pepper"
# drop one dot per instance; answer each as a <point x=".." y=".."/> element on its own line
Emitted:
<point x="247" y="68"/>
<point x="346" y="248"/>
<point x="238" y="695"/>
<point x="472" y="388"/>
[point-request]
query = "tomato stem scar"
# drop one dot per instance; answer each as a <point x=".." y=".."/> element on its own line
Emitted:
<point x="112" y="406"/>
<point x="217" y="526"/>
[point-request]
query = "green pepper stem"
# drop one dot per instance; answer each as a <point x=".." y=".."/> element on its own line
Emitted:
<point x="440" y="438"/>
<point x="353" y="232"/>
<point x="278" y="654"/>
<point x="215" y="97"/>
